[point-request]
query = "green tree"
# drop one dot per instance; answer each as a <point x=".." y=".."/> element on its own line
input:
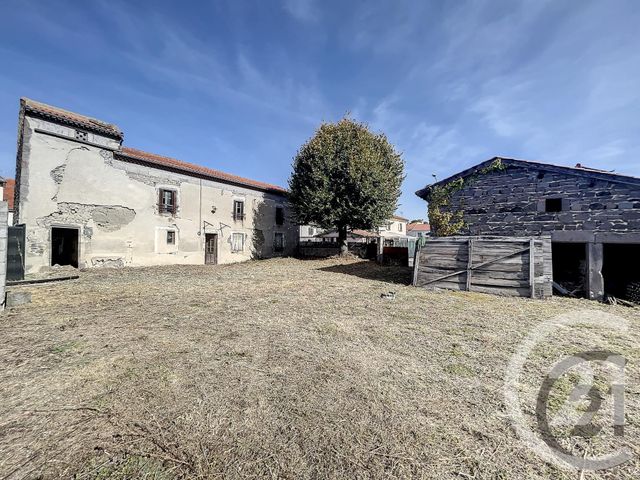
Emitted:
<point x="346" y="177"/>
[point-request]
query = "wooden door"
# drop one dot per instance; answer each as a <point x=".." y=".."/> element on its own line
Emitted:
<point x="211" y="248"/>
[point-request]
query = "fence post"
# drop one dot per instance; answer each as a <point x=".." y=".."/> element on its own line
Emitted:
<point x="469" y="263"/>
<point x="380" y="254"/>
<point x="532" y="272"/>
<point x="416" y="264"/>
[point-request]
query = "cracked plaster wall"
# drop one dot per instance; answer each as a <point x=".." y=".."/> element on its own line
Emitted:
<point x="114" y="206"/>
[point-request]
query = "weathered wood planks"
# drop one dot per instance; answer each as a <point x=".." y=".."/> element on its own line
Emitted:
<point x="516" y="266"/>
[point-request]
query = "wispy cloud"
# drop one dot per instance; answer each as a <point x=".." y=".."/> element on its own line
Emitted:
<point x="304" y="10"/>
<point x="450" y="83"/>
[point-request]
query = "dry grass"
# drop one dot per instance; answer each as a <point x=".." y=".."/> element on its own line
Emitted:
<point x="279" y="368"/>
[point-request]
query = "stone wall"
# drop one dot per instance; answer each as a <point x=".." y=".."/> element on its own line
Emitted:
<point x="512" y="202"/>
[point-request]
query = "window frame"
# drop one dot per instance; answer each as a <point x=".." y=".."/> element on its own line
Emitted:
<point x="279" y="215"/>
<point x="277" y="249"/>
<point x="163" y="207"/>
<point x="235" y="235"/>
<point x="238" y="213"/>
<point x="171" y="237"/>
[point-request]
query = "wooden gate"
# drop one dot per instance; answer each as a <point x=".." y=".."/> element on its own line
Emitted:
<point x="518" y="266"/>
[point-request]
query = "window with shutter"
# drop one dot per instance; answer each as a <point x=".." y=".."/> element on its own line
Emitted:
<point x="238" y="210"/>
<point x="237" y="242"/>
<point x="167" y="201"/>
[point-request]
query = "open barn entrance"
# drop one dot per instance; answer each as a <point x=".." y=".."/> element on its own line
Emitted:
<point x="64" y="246"/>
<point x="570" y="268"/>
<point x="621" y="270"/>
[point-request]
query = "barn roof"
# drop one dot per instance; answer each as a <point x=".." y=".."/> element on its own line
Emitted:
<point x="578" y="170"/>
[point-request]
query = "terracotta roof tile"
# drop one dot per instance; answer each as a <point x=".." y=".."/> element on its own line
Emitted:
<point x="418" y="227"/>
<point x="71" y="118"/>
<point x="173" y="163"/>
<point x="8" y="191"/>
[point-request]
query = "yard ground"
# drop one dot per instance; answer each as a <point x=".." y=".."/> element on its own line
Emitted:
<point x="284" y="369"/>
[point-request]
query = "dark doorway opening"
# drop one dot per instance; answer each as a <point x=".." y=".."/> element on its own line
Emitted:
<point x="621" y="270"/>
<point x="570" y="267"/>
<point x="16" y="253"/>
<point x="64" y="246"/>
<point x="211" y="248"/>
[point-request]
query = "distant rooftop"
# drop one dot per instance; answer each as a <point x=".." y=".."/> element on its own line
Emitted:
<point x="418" y="227"/>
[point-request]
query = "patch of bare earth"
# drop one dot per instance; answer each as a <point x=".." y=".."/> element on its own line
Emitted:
<point x="277" y="368"/>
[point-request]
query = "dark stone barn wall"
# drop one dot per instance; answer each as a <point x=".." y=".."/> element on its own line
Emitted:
<point x="512" y="202"/>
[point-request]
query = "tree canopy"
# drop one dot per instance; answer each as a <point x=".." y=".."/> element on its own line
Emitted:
<point x="344" y="177"/>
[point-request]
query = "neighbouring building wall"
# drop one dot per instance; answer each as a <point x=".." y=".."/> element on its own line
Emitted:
<point x="114" y="205"/>
<point x="3" y="252"/>
<point x="393" y="228"/>
<point x="309" y="232"/>
<point x="514" y="202"/>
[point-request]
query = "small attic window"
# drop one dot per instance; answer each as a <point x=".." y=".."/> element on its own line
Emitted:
<point x="82" y="136"/>
<point x="552" y="205"/>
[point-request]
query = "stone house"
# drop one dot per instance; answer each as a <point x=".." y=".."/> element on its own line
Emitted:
<point x="592" y="216"/>
<point x="86" y="200"/>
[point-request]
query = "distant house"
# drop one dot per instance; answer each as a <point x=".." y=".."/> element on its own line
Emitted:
<point x="396" y="226"/>
<point x="418" y="230"/>
<point x="355" y="236"/>
<point x="310" y="232"/>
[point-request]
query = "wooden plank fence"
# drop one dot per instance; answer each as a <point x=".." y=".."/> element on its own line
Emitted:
<point x="517" y="266"/>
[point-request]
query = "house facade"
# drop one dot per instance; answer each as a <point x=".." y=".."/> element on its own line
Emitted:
<point x="86" y="200"/>
<point x="418" y="230"/>
<point x="592" y="216"/>
<point x="396" y="226"/>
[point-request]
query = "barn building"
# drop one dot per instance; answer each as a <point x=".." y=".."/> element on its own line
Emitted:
<point x="592" y="216"/>
<point x="86" y="200"/>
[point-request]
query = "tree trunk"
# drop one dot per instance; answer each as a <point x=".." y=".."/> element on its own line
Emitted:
<point x="342" y="240"/>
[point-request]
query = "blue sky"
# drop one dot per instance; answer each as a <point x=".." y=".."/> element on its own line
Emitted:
<point x="240" y="85"/>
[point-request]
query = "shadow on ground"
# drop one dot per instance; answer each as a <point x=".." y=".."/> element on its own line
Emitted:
<point x="370" y="270"/>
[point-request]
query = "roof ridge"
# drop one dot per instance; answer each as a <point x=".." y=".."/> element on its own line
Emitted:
<point x="69" y="116"/>
<point x="605" y="175"/>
